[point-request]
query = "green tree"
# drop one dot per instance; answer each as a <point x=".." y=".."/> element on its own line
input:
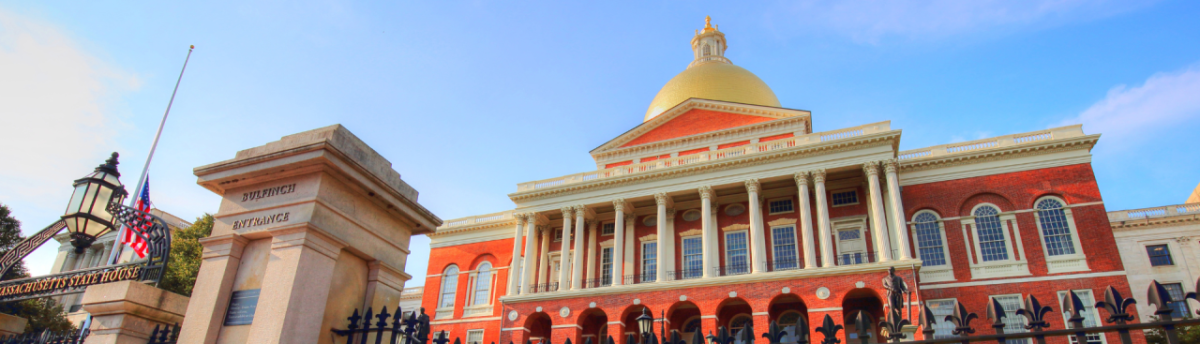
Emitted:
<point x="185" y="256"/>
<point x="43" y="314"/>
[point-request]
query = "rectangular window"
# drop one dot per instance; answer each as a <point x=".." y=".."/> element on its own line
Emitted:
<point x="1178" y="302"/>
<point x="475" y="336"/>
<point x="606" y="268"/>
<point x="693" y="258"/>
<point x="1160" y="255"/>
<point x="783" y="240"/>
<point x="941" y="309"/>
<point x="608" y="228"/>
<point x="929" y="243"/>
<point x="557" y="234"/>
<point x="781" y="206"/>
<point x="992" y="243"/>
<point x="649" y="261"/>
<point x="845" y="198"/>
<point x="1089" y="315"/>
<point x="1013" y="323"/>
<point x="736" y="256"/>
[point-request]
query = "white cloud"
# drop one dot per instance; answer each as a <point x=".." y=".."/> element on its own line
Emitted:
<point x="55" y="118"/>
<point x="875" y="20"/>
<point x="1128" y="115"/>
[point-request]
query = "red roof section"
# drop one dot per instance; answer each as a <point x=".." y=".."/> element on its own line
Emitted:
<point x="694" y="122"/>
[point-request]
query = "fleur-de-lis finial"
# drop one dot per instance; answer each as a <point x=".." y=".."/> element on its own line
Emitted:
<point x="1035" y="314"/>
<point x="829" y="330"/>
<point x="697" y="337"/>
<point x="587" y="340"/>
<point x="926" y="321"/>
<point x="774" y="333"/>
<point x="723" y="336"/>
<point x="894" y="325"/>
<point x="1158" y="296"/>
<point x="1116" y="305"/>
<point x="962" y="320"/>
<point x="995" y="312"/>
<point x="863" y="322"/>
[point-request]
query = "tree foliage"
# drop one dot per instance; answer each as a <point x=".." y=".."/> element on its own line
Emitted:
<point x="43" y="314"/>
<point x="185" y="256"/>
<point x="1187" y="334"/>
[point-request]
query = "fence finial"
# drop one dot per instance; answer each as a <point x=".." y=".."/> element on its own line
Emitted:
<point x="1116" y="305"/>
<point x="829" y="330"/>
<point x="962" y="320"/>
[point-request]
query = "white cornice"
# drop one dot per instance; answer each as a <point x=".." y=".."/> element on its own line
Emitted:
<point x="796" y="125"/>
<point x="703" y="104"/>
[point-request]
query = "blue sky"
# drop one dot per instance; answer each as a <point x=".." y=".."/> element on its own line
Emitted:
<point x="467" y="99"/>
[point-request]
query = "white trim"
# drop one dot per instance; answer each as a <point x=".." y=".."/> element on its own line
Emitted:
<point x="935" y="273"/>
<point x="708" y="317"/>
<point x="1062" y="263"/>
<point x="1022" y="280"/>
<point x="504" y="329"/>
<point x="735" y="227"/>
<point x="1030" y="210"/>
<point x="760" y="313"/>
<point x="642" y="260"/>
<point x="827" y="309"/>
<point x="1009" y="267"/>
<point x="795" y="245"/>
<point x="858" y="223"/>
<point x="566" y="326"/>
<point x="443" y="322"/>
<point x="482" y="335"/>
<point x="997" y="164"/>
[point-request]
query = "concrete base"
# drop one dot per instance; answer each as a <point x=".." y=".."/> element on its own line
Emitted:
<point x="126" y="312"/>
<point x="11" y="324"/>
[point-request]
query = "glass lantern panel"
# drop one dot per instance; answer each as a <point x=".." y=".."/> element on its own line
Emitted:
<point x="100" y="210"/>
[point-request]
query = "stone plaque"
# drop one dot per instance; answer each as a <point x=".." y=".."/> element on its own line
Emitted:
<point x="241" y="307"/>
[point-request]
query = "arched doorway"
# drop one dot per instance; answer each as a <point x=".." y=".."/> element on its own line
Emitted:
<point x="862" y="300"/>
<point x="790" y="312"/>
<point x="735" y="315"/>
<point x="684" y="316"/>
<point x="595" y="326"/>
<point x="629" y="319"/>
<point x="539" y="328"/>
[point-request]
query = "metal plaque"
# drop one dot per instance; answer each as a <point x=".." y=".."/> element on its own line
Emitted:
<point x="241" y="307"/>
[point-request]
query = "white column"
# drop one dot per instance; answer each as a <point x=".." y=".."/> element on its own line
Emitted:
<point x="514" y="276"/>
<point x="618" y="257"/>
<point x="708" y="231"/>
<point x="823" y="226"/>
<point x="577" y="258"/>
<point x="592" y="254"/>
<point x="564" y="276"/>
<point x="70" y="263"/>
<point x="528" y="271"/>
<point x="663" y="201"/>
<point x="630" y="261"/>
<point x="88" y="254"/>
<point x="805" y="228"/>
<point x="890" y="168"/>
<point x="544" y="265"/>
<point x="878" y="218"/>
<point x="758" y="243"/>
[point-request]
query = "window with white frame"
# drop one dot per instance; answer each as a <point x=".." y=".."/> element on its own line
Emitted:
<point x="780" y="206"/>
<point x="693" y="257"/>
<point x="483" y="285"/>
<point x="608" y="228"/>
<point x="941" y="309"/>
<point x="737" y="260"/>
<point x="931" y="244"/>
<point x="847" y="197"/>
<point x="558" y="233"/>
<point x="993" y="245"/>
<point x="449" y="286"/>
<point x="1178" y="303"/>
<point x="1013" y="323"/>
<point x="1056" y="230"/>
<point x="606" y="268"/>
<point x="649" y="261"/>
<point x="1090" y="317"/>
<point x="475" y="336"/>
<point x="783" y="245"/>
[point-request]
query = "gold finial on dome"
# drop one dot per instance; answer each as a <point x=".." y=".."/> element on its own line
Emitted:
<point x="708" y="24"/>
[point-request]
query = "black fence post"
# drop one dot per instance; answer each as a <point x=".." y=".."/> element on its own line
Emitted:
<point x="1158" y="296"/>
<point x="829" y="331"/>
<point x="962" y="322"/>
<point x="995" y="312"/>
<point x="1035" y="316"/>
<point x="1116" y="305"/>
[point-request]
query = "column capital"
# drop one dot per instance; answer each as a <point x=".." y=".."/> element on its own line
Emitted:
<point x="706" y="192"/>
<point x="752" y="185"/>
<point x="871" y="168"/>
<point x="520" y="218"/>
<point x="663" y="199"/>
<point x="801" y="178"/>
<point x="891" y="166"/>
<point x="568" y="212"/>
<point x="584" y="211"/>
<point x="621" y="206"/>
<point x="818" y="176"/>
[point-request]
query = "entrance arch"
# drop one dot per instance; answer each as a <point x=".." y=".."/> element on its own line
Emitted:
<point x="629" y="319"/>
<point x="865" y="300"/>
<point x="684" y="316"/>
<point x="594" y="324"/>
<point x="735" y="314"/>
<point x="791" y="314"/>
<point x="539" y="328"/>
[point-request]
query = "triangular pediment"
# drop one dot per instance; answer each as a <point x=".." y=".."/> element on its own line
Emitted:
<point x="699" y="117"/>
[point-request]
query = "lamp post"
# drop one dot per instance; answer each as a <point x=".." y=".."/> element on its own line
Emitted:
<point x="646" y="325"/>
<point x="87" y="216"/>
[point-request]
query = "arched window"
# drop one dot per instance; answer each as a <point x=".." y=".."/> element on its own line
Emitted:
<point x="1056" y="231"/>
<point x="707" y="51"/>
<point x="992" y="244"/>
<point x="449" y="285"/>
<point x="930" y="243"/>
<point x="788" y="321"/>
<point x="483" y="285"/>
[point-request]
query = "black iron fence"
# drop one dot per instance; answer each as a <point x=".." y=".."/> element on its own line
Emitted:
<point x="406" y="328"/>
<point x="168" y="334"/>
<point x="48" y="337"/>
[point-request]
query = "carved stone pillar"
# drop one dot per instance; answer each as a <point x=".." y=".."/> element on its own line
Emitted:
<point x="758" y="243"/>
<point x="564" y="256"/>
<point x="529" y="271"/>
<point x="823" y="225"/>
<point x="810" y="248"/>
<point x="663" y="201"/>
<point x="592" y="254"/>
<point x="878" y="217"/>
<point x="618" y="259"/>
<point x="891" y="167"/>
<point x="577" y="258"/>
<point x="708" y="232"/>
<point x="514" y="273"/>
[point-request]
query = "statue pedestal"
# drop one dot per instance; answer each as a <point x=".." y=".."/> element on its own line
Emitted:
<point x="126" y="312"/>
<point x="11" y="324"/>
<point x="310" y="228"/>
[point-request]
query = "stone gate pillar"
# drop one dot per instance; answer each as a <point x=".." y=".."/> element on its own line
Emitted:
<point x="310" y="228"/>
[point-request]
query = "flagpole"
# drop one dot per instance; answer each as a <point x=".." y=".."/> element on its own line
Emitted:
<point x="117" y="247"/>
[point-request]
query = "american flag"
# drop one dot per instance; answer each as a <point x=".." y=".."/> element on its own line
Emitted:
<point x="131" y="237"/>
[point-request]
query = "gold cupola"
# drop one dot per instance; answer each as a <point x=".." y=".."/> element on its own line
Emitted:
<point x="712" y="76"/>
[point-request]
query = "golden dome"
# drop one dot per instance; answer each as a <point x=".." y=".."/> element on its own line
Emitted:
<point x="712" y="76"/>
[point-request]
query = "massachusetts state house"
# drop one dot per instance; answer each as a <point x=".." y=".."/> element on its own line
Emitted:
<point x="724" y="208"/>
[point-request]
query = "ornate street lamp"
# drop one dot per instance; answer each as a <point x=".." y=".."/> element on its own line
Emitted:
<point x="646" y="324"/>
<point x="87" y="215"/>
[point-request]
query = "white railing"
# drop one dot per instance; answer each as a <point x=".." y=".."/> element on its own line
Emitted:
<point x="732" y="152"/>
<point x="995" y="142"/>
<point x="501" y="216"/>
<point x="1155" y="212"/>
